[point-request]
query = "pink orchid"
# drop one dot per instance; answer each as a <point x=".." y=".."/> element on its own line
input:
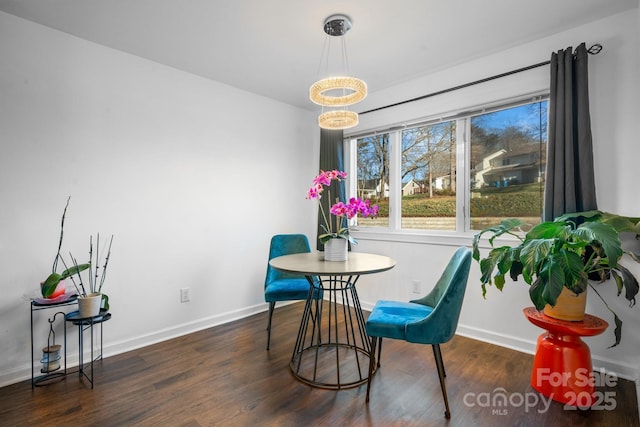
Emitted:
<point x="339" y="209"/>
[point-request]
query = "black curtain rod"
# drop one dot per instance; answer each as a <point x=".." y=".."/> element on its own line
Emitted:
<point x="593" y="50"/>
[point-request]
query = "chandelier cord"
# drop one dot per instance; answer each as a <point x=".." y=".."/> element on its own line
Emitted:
<point x="324" y="58"/>
<point x="345" y="60"/>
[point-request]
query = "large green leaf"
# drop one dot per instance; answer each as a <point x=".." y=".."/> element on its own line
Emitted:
<point x="506" y="226"/>
<point x="50" y="284"/>
<point x="622" y="223"/>
<point x="74" y="270"/>
<point x="618" y="330"/>
<point x="549" y="230"/>
<point x="579" y="217"/>
<point x="532" y="254"/>
<point x="606" y="235"/>
<point x="552" y="277"/>
<point x="618" y="280"/>
<point x="630" y="283"/>
<point x="535" y="293"/>
<point x="574" y="276"/>
<point x="516" y="268"/>
<point x="487" y="266"/>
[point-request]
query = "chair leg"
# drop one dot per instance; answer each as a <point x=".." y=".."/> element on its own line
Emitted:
<point x="444" y="372"/>
<point x="372" y="362"/>
<point x="272" y="305"/>
<point x="440" y="365"/>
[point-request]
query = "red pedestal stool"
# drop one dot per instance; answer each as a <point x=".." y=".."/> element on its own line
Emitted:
<point x="562" y="367"/>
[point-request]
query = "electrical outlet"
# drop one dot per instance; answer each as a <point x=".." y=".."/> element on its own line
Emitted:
<point x="185" y="294"/>
<point x="416" y="287"/>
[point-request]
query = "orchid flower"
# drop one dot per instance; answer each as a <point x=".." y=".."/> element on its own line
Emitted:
<point x="339" y="209"/>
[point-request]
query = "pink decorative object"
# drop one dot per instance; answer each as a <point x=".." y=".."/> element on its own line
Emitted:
<point x="60" y="290"/>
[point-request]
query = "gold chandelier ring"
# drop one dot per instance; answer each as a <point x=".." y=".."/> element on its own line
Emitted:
<point x="353" y="90"/>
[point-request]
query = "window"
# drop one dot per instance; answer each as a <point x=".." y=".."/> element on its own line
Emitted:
<point x="508" y="152"/>
<point x="373" y="175"/>
<point x="428" y="177"/>
<point x="412" y="173"/>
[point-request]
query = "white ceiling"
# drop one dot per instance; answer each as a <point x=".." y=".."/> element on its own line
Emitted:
<point x="273" y="47"/>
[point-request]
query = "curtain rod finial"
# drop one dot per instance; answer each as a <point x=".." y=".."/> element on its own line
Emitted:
<point x="595" y="49"/>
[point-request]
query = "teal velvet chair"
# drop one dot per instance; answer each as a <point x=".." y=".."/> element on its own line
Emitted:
<point x="432" y="319"/>
<point x="280" y="285"/>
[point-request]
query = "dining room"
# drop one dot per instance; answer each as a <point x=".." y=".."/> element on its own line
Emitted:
<point x="194" y="144"/>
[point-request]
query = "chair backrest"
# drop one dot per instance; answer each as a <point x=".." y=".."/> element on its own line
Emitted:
<point x="446" y="299"/>
<point x="285" y="244"/>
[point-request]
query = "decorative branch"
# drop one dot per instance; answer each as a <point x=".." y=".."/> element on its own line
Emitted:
<point x="64" y="213"/>
<point x="90" y="262"/>
<point x="95" y="279"/>
<point x="106" y="261"/>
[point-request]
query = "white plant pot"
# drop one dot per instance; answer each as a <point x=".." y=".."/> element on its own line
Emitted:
<point x="336" y="250"/>
<point x="89" y="306"/>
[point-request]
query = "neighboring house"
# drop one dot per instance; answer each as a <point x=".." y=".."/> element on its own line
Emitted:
<point x="411" y="187"/>
<point x="504" y="168"/>
<point x="442" y="182"/>
<point x="382" y="193"/>
<point x="370" y="189"/>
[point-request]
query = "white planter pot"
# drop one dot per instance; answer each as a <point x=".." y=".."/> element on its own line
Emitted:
<point x="89" y="306"/>
<point x="336" y="250"/>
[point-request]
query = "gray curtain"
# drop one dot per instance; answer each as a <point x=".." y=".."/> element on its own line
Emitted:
<point x="570" y="184"/>
<point x="331" y="157"/>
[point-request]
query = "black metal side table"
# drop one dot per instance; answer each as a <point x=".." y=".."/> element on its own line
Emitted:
<point x="50" y="371"/>
<point x="84" y="324"/>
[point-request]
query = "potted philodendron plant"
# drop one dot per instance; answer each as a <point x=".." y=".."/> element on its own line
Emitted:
<point x="572" y="253"/>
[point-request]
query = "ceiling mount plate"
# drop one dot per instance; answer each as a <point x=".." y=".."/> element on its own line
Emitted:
<point x="337" y="25"/>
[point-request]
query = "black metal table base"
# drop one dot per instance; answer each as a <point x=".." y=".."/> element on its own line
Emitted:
<point x="332" y="348"/>
<point x="84" y="324"/>
<point x="55" y="375"/>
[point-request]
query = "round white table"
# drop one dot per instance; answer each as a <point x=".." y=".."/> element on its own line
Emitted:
<point x="334" y="352"/>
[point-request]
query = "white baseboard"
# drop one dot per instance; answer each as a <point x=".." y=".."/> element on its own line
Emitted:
<point x="23" y="372"/>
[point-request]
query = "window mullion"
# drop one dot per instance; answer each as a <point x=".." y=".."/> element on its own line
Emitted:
<point x="463" y="130"/>
<point x="395" y="184"/>
<point x="350" y="150"/>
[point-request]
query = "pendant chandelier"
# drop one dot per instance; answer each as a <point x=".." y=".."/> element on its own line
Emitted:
<point x="337" y="92"/>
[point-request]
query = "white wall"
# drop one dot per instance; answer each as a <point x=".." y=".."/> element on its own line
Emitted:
<point x="614" y="101"/>
<point x="191" y="176"/>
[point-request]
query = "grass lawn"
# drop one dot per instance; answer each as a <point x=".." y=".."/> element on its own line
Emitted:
<point x="513" y="201"/>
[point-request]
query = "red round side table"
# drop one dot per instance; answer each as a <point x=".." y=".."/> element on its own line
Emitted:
<point x="562" y="367"/>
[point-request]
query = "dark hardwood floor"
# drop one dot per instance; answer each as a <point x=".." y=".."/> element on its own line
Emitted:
<point x="224" y="376"/>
